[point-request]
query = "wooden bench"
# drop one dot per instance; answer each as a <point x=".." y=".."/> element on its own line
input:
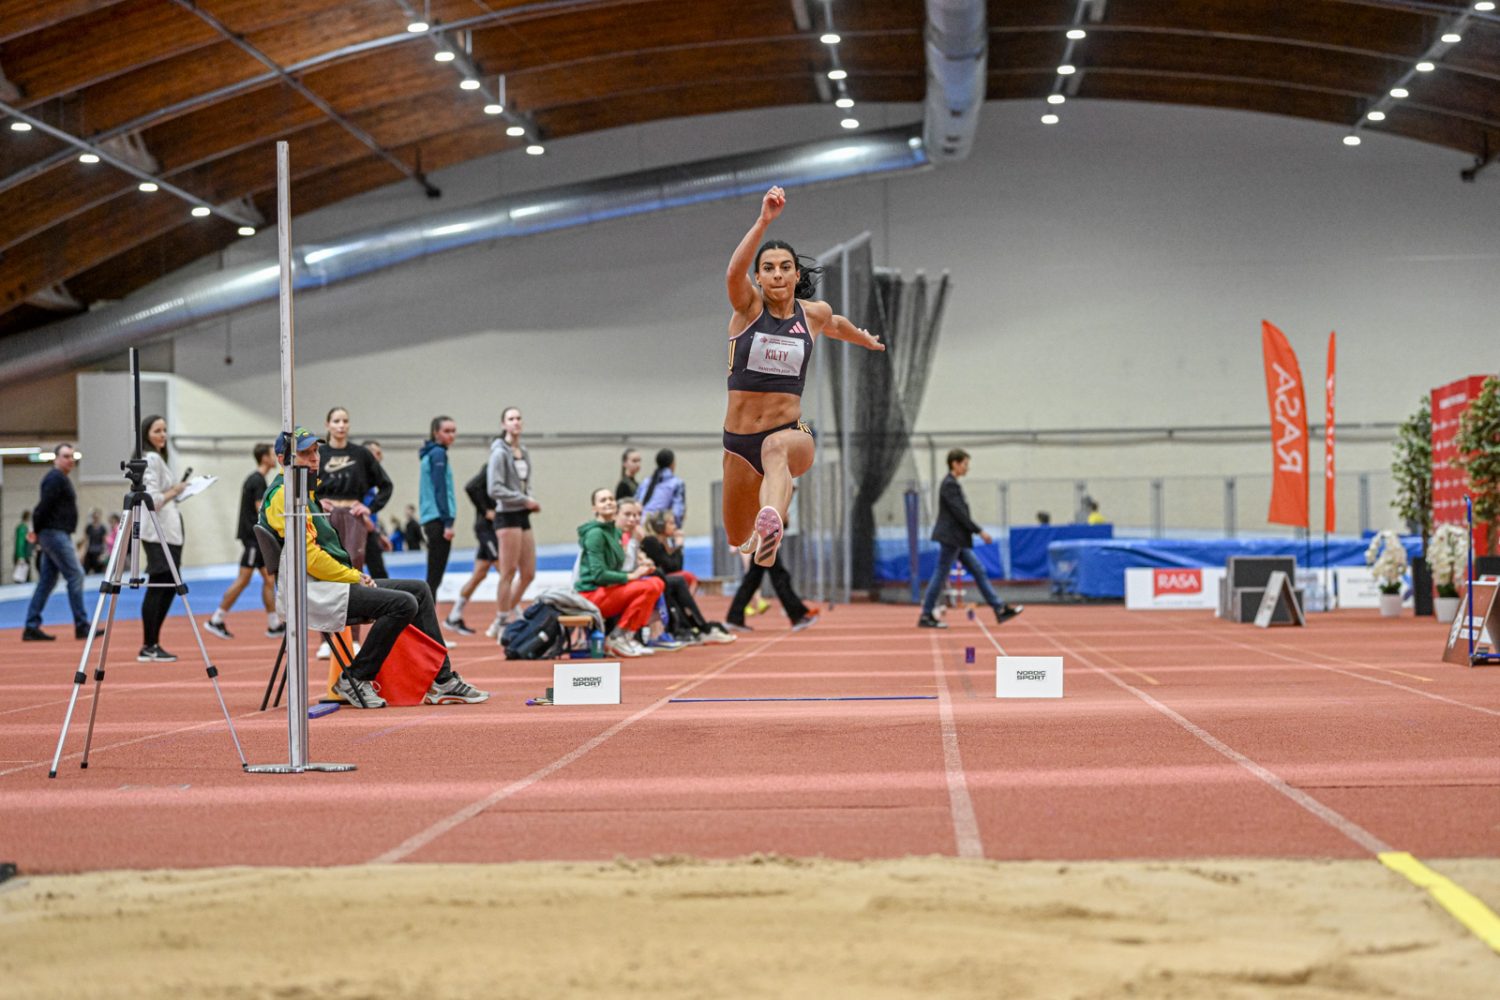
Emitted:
<point x="576" y="629"/>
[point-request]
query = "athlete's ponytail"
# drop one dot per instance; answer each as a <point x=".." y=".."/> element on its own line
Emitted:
<point x="807" y="268"/>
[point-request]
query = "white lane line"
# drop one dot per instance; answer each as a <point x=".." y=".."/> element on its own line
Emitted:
<point x="448" y="823"/>
<point x="960" y="804"/>
<point x="1332" y="669"/>
<point x="991" y="638"/>
<point x="1343" y="824"/>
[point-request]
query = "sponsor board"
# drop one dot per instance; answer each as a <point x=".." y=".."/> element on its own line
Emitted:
<point x="1028" y="677"/>
<point x="1357" y="588"/>
<point x="594" y="682"/>
<point x="1172" y="588"/>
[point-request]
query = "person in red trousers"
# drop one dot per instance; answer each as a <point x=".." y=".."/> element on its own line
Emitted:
<point x="603" y="581"/>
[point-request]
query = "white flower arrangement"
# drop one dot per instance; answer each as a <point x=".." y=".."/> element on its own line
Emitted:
<point x="1448" y="558"/>
<point x="1387" y="560"/>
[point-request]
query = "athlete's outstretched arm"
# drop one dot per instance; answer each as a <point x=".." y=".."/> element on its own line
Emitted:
<point x="830" y="324"/>
<point x="742" y="294"/>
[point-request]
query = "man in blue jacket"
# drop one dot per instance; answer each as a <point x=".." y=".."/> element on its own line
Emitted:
<point x="954" y="533"/>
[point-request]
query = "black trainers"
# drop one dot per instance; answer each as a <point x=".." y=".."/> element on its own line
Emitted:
<point x="219" y="629"/>
<point x="1008" y="611"/>
<point x="37" y="635"/>
<point x="154" y="654"/>
<point x="927" y="621"/>
<point x="82" y="632"/>
<point x="738" y="627"/>
<point x="457" y="625"/>
<point x="276" y="632"/>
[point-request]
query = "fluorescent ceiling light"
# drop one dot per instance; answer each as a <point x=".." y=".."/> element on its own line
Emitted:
<point x="88" y="158"/>
<point x="1066" y="69"/>
<point x="417" y="27"/>
<point x="1351" y="140"/>
<point x="1400" y="92"/>
<point x="515" y="130"/>
<point x="830" y="38"/>
<point x="200" y="211"/>
<point x="20" y="126"/>
<point x="147" y="186"/>
<point x="247" y="230"/>
<point x="1425" y="67"/>
<point x="844" y="102"/>
<point x="1077" y="33"/>
<point x="850" y="123"/>
<point x="1376" y="116"/>
<point x="444" y="55"/>
<point x="1049" y="119"/>
<point x="1453" y="38"/>
<point x="1056" y="99"/>
<point x="837" y="74"/>
<point x="493" y="109"/>
<point x="536" y="149"/>
<point x="1484" y="5"/>
<point x="469" y="84"/>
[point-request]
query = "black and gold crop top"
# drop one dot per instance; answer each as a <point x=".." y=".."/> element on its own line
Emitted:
<point x="771" y="355"/>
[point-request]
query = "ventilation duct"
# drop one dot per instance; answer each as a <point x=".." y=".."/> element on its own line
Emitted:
<point x="958" y="38"/>
<point x="180" y="303"/>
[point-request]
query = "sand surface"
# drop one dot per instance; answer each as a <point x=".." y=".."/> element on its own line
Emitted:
<point x="758" y="927"/>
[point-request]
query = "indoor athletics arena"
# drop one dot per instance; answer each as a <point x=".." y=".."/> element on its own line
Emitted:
<point x="790" y="498"/>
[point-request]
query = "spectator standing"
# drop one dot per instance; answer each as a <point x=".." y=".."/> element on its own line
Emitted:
<point x="1094" y="516"/>
<point x="350" y="475"/>
<point x="164" y="488"/>
<point x="630" y="471"/>
<point x="411" y="531"/>
<point x="94" y="534"/>
<point x="954" y="532"/>
<point x="397" y="536"/>
<point x="252" y="491"/>
<point x="801" y="614"/>
<point x="376" y="543"/>
<point x="664" y="491"/>
<point x="509" y="479"/>
<point x="486" y="551"/>
<point x="22" y="550"/>
<point x="438" y="506"/>
<point x="54" y="519"/>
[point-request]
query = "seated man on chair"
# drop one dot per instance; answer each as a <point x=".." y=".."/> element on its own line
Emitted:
<point x="390" y="605"/>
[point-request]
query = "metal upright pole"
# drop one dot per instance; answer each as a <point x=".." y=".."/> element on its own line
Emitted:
<point x="846" y="402"/>
<point x="292" y="575"/>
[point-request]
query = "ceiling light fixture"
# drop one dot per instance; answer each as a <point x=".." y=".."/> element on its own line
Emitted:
<point x="516" y="130"/>
<point x="1425" y="67"/>
<point x="469" y="83"/>
<point x="837" y="74"/>
<point x="1484" y="5"/>
<point x="1049" y="119"/>
<point x="1067" y="69"/>
<point x="844" y="102"/>
<point x="247" y="230"/>
<point x="1056" y="99"/>
<point x="1400" y="92"/>
<point x="1453" y="38"/>
<point x="147" y="186"/>
<point x="1077" y="33"/>
<point x="1351" y="140"/>
<point x="444" y="55"/>
<point x="88" y="158"/>
<point x="850" y="123"/>
<point x="536" y="149"/>
<point x="417" y="27"/>
<point x="493" y="109"/>
<point x="830" y="38"/>
<point x="1376" y="116"/>
<point x="201" y="212"/>
<point x="20" y="126"/>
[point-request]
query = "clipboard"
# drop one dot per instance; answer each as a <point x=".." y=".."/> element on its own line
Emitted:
<point x="195" y="486"/>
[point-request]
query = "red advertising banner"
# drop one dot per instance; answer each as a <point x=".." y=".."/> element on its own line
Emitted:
<point x="1448" y="485"/>
<point x="1288" y="403"/>
<point x="1330" y="517"/>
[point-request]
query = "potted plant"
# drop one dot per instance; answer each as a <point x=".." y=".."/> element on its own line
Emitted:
<point x="1448" y="558"/>
<point x="1411" y="471"/>
<point x="1477" y="447"/>
<point x="1386" y="558"/>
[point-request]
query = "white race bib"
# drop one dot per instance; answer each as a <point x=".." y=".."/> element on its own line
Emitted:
<point x="776" y="355"/>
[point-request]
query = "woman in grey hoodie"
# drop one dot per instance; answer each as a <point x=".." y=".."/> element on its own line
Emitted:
<point x="509" y="481"/>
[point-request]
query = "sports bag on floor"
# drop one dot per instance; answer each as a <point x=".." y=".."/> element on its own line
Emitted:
<point x="536" y="635"/>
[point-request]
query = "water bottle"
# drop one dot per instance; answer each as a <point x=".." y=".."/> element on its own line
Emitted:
<point x="596" y="645"/>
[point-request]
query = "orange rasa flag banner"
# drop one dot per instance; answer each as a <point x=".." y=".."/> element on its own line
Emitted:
<point x="1329" y="517"/>
<point x="1284" y="393"/>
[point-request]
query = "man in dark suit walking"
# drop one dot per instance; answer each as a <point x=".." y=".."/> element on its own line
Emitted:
<point x="954" y="532"/>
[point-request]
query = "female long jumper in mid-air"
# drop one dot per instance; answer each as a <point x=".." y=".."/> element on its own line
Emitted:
<point x="766" y="444"/>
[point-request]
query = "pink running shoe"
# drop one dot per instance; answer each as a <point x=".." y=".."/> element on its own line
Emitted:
<point x="768" y="532"/>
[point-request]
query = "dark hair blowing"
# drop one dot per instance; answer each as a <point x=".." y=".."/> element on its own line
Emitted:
<point x="807" y="268"/>
<point x="664" y="460"/>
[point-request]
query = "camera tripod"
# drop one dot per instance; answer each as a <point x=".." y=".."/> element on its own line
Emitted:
<point x="127" y="551"/>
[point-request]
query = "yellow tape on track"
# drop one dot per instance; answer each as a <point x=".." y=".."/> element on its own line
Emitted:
<point x="1465" y="908"/>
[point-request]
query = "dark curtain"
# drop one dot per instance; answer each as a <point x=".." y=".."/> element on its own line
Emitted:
<point x="886" y="388"/>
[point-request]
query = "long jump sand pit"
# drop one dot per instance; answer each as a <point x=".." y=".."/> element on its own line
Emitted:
<point x="756" y="927"/>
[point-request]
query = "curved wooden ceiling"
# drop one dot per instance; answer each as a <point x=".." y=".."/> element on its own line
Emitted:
<point x="205" y="88"/>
